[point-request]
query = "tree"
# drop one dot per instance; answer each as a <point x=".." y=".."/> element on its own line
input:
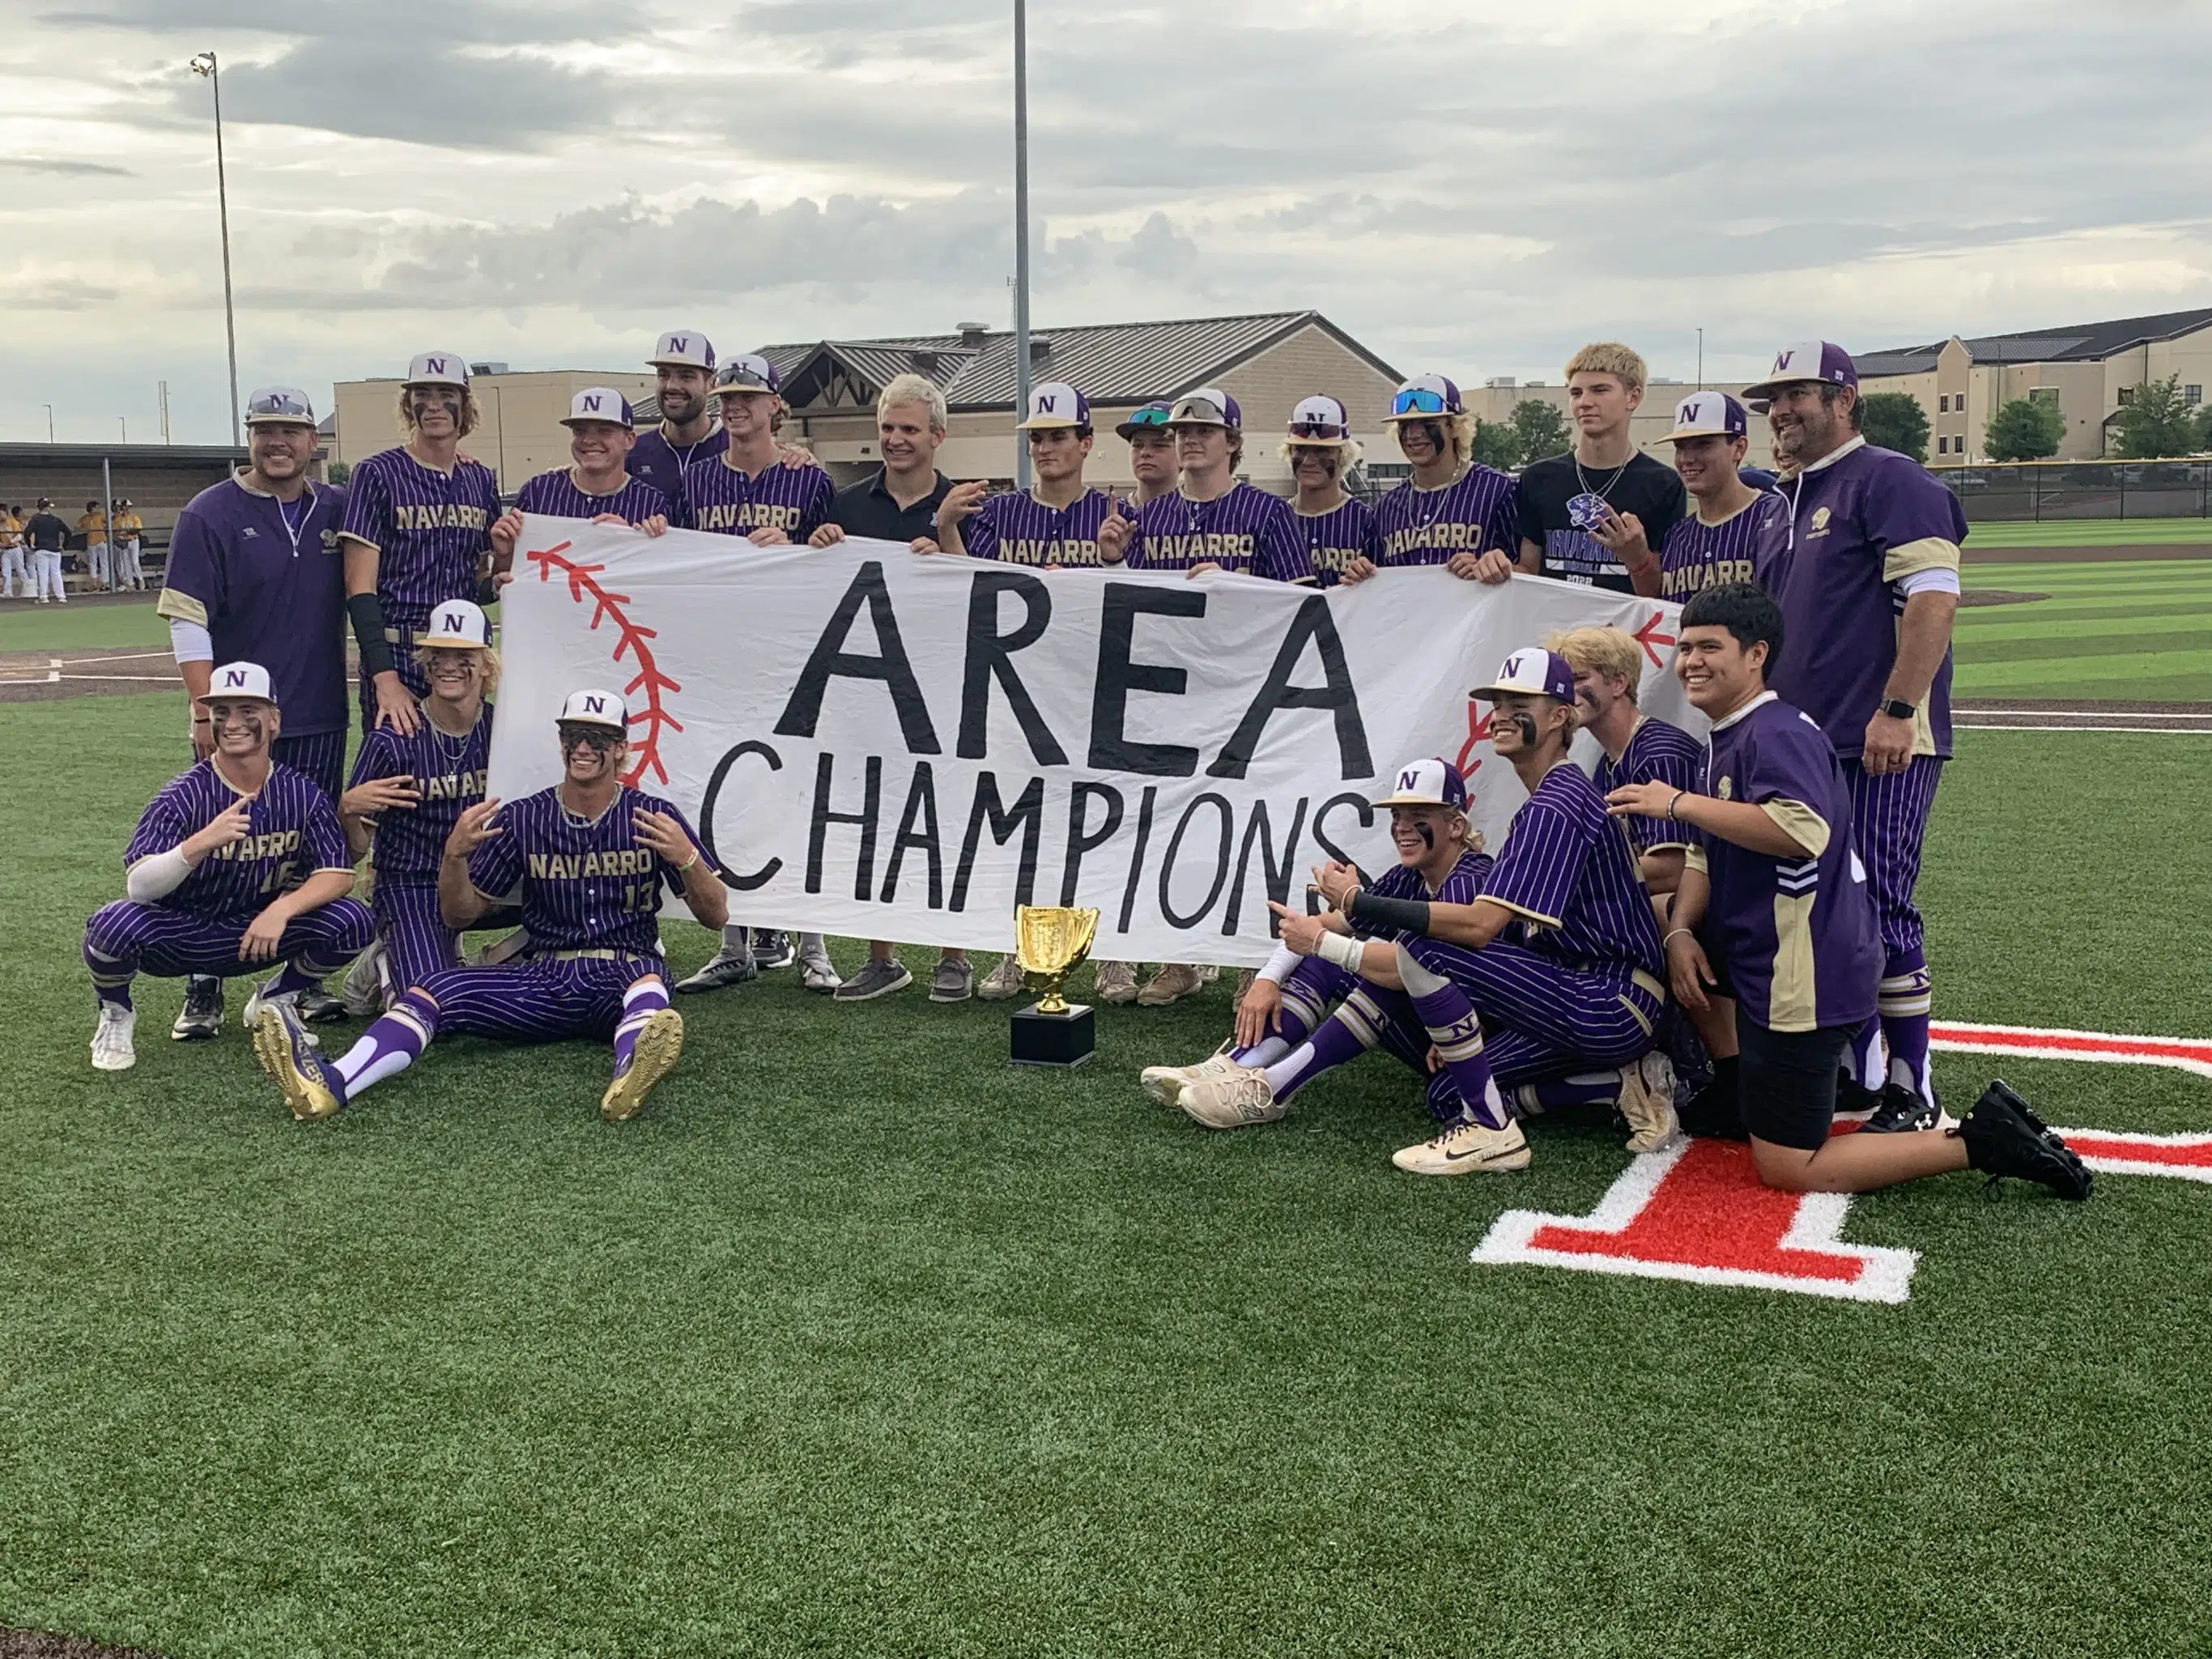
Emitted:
<point x="1497" y="445"/>
<point x="2024" y="430"/>
<point x="1895" y="420"/>
<point x="1540" y="429"/>
<point x="2154" y="422"/>
<point x="337" y="472"/>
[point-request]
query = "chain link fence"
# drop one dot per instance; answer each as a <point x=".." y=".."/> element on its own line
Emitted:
<point x="2036" y="490"/>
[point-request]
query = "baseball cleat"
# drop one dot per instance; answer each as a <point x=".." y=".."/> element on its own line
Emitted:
<point x="1005" y="980"/>
<point x="1647" y="1102"/>
<point x="1899" y="1111"/>
<point x="1164" y="1084"/>
<point x="319" y="1007"/>
<point x="361" y="990"/>
<point x="1175" y="982"/>
<point x="652" y="1057"/>
<point x="1115" y="982"/>
<point x="723" y="968"/>
<point x="880" y="977"/>
<point x="773" y="948"/>
<point x="112" y="1048"/>
<point x="2003" y="1137"/>
<point x="816" y="971"/>
<point x="201" y="1017"/>
<point x="1468" y="1148"/>
<point x="311" y="1085"/>
<point x="1231" y="1100"/>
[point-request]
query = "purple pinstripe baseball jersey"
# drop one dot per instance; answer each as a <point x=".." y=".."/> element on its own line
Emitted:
<point x="1462" y="883"/>
<point x="719" y="499"/>
<point x="654" y="460"/>
<point x="448" y="771"/>
<point x="1858" y="522"/>
<point x="1698" y="555"/>
<point x="292" y="831"/>
<point x="265" y="580"/>
<point x="429" y="530"/>
<point x="1657" y="752"/>
<point x="1568" y="876"/>
<point x="320" y="755"/>
<point x="1795" y="935"/>
<point x="585" y="886"/>
<point x="557" y="493"/>
<point x="1017" y="528"/>
<point x="1427" y="526"/>
<point x="1246" y="529"/>
<point x="1334" y="538"/>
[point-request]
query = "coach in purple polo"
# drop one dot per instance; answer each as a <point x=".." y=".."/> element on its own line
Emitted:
<point x="683" y="364"/>
<point x="1865" y="567"/>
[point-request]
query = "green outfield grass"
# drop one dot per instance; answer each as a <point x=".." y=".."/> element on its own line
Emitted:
<point x="861" y="1342"/>
<point x="2140" y="630"/>
<point x="79" y="625"/>
<point x="2090" y="532"/>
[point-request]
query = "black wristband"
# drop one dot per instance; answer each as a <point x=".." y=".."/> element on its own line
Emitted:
<point x="1392" y="915"/>
<point x="487" y="592"/>
<point x="368" y="634"/>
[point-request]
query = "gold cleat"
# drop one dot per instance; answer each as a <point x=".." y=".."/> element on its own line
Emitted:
<point x="652" y="1057"/>
<point x="301" y="1075"/>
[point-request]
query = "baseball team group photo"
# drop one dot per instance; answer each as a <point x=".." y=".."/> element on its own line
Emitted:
<point x="1083" y="986"/>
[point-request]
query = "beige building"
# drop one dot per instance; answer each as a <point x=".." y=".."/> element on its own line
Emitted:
<point x="520" y="434"/>
<point x="2087" y="372"/>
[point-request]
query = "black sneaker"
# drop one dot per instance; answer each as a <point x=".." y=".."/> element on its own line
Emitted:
<point x="1853" y="1098"/>
<point x="317" y="1006"/>
<point x="2004" y="1138"/>
<point x="1900" y="1111"/>
<point x="1714" y="1113"/>
<point x="772" y="948"/>
<point x="201" y="1017"/>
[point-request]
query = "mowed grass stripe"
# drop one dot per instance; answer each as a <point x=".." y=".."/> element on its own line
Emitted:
<point x="2027" y="623"/>
<point x="2125" y="674"/>
<point x="2085" y="578"/>
<point x="2089" y="533"/>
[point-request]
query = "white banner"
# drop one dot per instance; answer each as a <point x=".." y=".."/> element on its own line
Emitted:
<point x="880" y="744"/>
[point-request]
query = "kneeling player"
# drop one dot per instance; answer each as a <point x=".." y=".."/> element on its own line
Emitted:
<point x="1781" y="900"/>
<point x="238" y="863"/>
<point x="592" y="857"/>
<point x="1280" y="1028"/>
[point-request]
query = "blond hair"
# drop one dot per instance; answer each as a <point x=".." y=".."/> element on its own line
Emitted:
<point x="915" y="389"/>
<point x="1612" y="652"/>
<point x="1462" y="431"/>
<point x="1349" y="449"/>
<point x="1608" y="357"/>
<point x="471" y="414"/>
<point x="488" y="664"/>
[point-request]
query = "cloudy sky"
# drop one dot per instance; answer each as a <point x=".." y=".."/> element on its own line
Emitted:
<point x="1470" y="186"/>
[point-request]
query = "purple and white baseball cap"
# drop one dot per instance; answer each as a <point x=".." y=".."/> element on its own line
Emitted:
<point x="1206" y="406"/>
<point x="1430" y="782"/>
<point x="747" y="372"/>
<point x="1807" y="360"/>
<point x="1709" y="415"/>
<point x="239" y="682"/>
<point x="593" y="708"/>
<point x="439" y="368"/>
<point x="683" y="348"/>
<point x="1320" y="419"/>
<point x="1532" y="669"/>
<point x="457" y="624"/>
<point x="279" y="405"/>
<point x="597" y="404"/>
<point x="1056" y="404"/>
<point x="1424" y="398"/>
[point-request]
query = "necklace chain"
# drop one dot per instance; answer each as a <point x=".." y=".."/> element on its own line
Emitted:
<point x="1583" y="478"/>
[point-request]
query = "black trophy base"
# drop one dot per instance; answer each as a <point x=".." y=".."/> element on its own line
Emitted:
<point x="1063" y="1039"/>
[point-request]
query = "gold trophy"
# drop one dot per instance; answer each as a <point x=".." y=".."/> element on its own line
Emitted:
<point x="1048" y="941"/>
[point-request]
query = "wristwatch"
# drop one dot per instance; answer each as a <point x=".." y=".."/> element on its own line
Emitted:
<point x="1897" y="709"/>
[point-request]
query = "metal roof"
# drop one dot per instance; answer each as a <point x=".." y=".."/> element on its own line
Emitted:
<point x="38" y="454"/>
<point x="2076" y="342"/>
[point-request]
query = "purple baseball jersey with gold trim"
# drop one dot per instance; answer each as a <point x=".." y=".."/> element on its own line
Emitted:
<point x="1656" y="752"/>
<point x="724" y="501"/>
<point x="1246" y="529"/>
<point x="448" y="774"/>
<point x="1334" y="538"/>
<point x="430" y="529"/>
<point x="655" y="461"/>
<point x="1568" y="876"/>
<point x="593" y="885"/>
<point x="1017" y="528"/>
<point x="292" y="831"/>
<point x="1698" y="555"/>
<point x="556" y="494"/>
<point x="1426" y="526"/>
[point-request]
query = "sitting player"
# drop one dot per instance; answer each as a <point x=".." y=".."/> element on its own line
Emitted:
<point x="592" y="857"/>
<point x="1781" y="901"/>
<point x="409" y="790"/>
<point x="1280" y="1028"/>
<point x="238" y="863"/>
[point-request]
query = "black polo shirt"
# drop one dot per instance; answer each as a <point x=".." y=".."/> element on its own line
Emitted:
<point x="867" y="509"/>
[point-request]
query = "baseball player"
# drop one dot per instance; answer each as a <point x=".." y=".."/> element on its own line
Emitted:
<point x="1865" y="567"/>
<point x="1342" y="544"/>
<point x="1213" y="520"/>
<point x="602" y="434"/>
<point x="123" y="540"/>
<point x="15" y="557"/>
<point x="1454" y="511"/>
<point x="409" y="790"/>
<point x="1782" y="899"/>
<point x="1634" y="747"/>
<point x="92" y="525"/>
<point x="1056" y="522"/>
<point x="683" y="364"/>
<point x="418" y="532"/>
<point x="238" y="863"/>
<point x="255" y="575"/>
<point x="48" y="536"/>
<point x="1594" y="514"/>
<point x="1713" y="542"/>
<point x="1152" y="450"/>
<point x="592" y="858"/>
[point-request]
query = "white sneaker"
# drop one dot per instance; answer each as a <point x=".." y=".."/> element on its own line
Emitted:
<point x="361" y="990"/>
<point x="816" y="972"/>
<point x="112" y="1048"/>
<point x="1647" y="1102"/>
<point x="1006" y="980"/>
<point x="1166" y="1084"/>
<point x="1468" y="1148"/>
<point x="1231" y="1101"/>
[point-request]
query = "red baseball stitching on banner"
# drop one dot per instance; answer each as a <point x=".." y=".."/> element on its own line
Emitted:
<point x="1648" y="636"/>
<point x="629" y="636"/>
<point x="1478" y="731"/>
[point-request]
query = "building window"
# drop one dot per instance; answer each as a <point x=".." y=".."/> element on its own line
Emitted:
<point x="2192" y="395"/>
<point x="2127" y="396"/>
<point x="2043" y="394"/>
<point x="1943" y="402"/>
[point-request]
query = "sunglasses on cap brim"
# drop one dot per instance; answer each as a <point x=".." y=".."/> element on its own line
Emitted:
<point x="279" y="409"/>
<point x="1153" y="417"/>
<point x="1419" y="400"/>
<point x="1323" y="431"/>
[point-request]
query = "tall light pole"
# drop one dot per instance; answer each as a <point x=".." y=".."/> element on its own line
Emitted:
<point x="205" y="64"/>
<point x="1701" y="360"/>
<point x="1021" y="241"/>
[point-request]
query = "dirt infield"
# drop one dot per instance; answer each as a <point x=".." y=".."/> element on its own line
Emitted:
<point x="45" y="1645"/>
<point x="47" y="676"/>
<point x="2072" y="714"/>
<point x="1974" y="596"/>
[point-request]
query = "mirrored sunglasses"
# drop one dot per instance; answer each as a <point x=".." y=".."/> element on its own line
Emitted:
<point x="1151" y="414"/>
<point x="1417" y="401"/>
<point x="1315" y="429"/>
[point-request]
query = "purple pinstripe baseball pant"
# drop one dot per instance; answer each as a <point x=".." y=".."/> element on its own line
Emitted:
<point x="1889" y="816"/>
<point x="127" y="939"/>
<point x="542" y="1001"/>
<point x="1540" y="1017"/>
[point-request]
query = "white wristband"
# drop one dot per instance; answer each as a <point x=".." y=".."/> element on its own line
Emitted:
<point x="1342" y="949"/>
<point x="1280" y="966"/>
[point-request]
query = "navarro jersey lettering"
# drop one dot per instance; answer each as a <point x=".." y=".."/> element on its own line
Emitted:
<point x="1017" y="528"/>
<point x="1427" y="526"/>
<point x="590" y="885"/>
<point x="1334" y="538"/>
<point x="724" y="501"/>
<point x="292" y="831"/>
<point x="557" y="494"/>
<point x="1247" y="529"/>
<point x="449" y="776"/>
<point x="1698" y="555"/>
<point x="430" y="529"/>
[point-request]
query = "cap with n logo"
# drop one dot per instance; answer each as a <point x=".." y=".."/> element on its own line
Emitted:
<point x="1056" y="404"/>
<point x="1534" y="670"/>
<point x="1807" y="360"/>
<point x="456" y="623"/>
<point x="1430" y="782"/>
<point x="683" y="348"/>
<point x="1709" y="415"/>
<point x="749" y="373"/>
<point x="239" y="682"/>
<point x="598" y="403"/>
<point x="279" y="405"/>
<point x="1206" y="406"/>
<point x="439" y="368"/>
<point x="596" y="709"/>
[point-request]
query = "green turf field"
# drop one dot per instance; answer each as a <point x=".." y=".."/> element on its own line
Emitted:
<point x="79" y="626"/>
<point x="862" y="1342"/>
<point x="2140" y="630"/>
<point x="2089" y="533"/>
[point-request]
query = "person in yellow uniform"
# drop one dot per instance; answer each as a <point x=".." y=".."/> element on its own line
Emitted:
<point x="14" y="557"/>
<point x="124" y="531"/>
<point x="92" y="525"/>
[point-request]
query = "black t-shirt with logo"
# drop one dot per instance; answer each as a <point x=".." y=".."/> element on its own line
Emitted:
<point x="1650" y="489"/>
